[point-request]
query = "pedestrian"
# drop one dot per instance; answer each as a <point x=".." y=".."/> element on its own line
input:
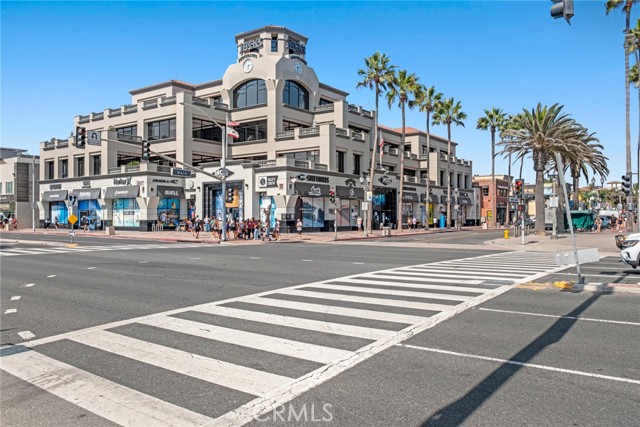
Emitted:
<point x="56" y="221"/>
<point x="256" y="229"/>
<point x="14" y="223"/>
<point x="197" y="227"/>
<point x="163" y="221"/>
<point x="47" y="223"/>
<point x="215" y="230"/>
<point x="359" y="222"/>
<point x="598" y="224"/>
<point x="207" y="224"/>
<point x="299" y="228"/>
<point x="414" y="222"/>
<point x="276" y="232"/>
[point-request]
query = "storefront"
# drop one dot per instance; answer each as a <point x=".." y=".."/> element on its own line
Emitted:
<point x="168" y="210"/>
<point x="311" y="204"/>
<point x="409" y="205"/>
<point x="349" y="199"/>
<point x="7" y="205"/>
<point x="214" y="201"/>
<point x="384" y="207"/>
<point x="465" y="202"/>
<point x="89" y="209"/>
<point x="428" y="211"/>
<point x="124" y="207"/>
<point x="57" y="201"/>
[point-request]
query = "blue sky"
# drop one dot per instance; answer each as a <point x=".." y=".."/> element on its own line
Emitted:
<point x="62" y="59"/>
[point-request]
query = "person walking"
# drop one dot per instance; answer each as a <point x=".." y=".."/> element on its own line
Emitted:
<point x="276" y="232"/>
<point x="56" y="221"/>
<point x="414" y="223"/>
<point x="299" y="228"/>
<point x="197" y="226"/>
<point x="359" y="223"/>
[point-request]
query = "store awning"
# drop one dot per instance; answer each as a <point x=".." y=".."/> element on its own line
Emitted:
<point x="410" y="197"/>
<point x="346" y="192"/>
<point x="55" y="196"/>
<point x="128" y="192"/>
<point x="306" y="189"/>
<point x="170" y="192"/>
<point x="465" y="201"/>
<point x="87" y="193"/>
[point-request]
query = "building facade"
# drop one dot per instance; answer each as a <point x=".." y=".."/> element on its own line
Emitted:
<point x="503" y="191"/>
<point x="295" y="140"/>
<point x="18" y="185"/>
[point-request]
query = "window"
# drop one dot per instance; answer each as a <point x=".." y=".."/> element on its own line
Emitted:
<point x="340" y="161"/>
<point x="485" y="191"/>
<point x="253" y="92"/>
<point x="128" y="131"/>
<point x="274" y="43"/>
<point x="63" y="168"/>
<point x="356" y="164"/>
<point x="162" y="129"/>
<point x="203" y="129"/>
<point x="9" y="187"/>
<point x="79" y="166"/>
<point x="217" y="99"/>
<point x="0" y="187"/>
<point x="442" y="182"/>
<point x="48" y="169"/>
<point x="295" y="95"/>
<point x="252" y="131"/>
<point x="96" y="164"/>
<point x="287" y="125"/>
<point x="313" y="156"/>
<point x="325" y="102"/>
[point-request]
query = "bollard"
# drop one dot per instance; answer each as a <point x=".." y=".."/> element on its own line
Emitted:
<point x="506" y="233"/>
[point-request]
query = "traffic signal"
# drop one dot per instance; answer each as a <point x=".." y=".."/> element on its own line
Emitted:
<point x="229" y="198"/>
<point x="81" y="136"/>
<point x="562" y="9"/>
<point x="146" y="150"/>
<point x="332" y="196"/>
<point x="626" y="184"/>
<point x="518" y="188"/>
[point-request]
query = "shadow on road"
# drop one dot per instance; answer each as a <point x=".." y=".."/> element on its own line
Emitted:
<point x="457" y="412"/>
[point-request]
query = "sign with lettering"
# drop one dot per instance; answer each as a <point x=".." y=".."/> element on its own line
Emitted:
<point x="296" y="47"/>
<point x="251" y="44"/>
<point x="55" y="186"/>
<point x="180" y="172"/>
<point x="122" y="181"/>
<point x="268" y="181"/>
<point x="311" y="190"/>
<point x="313" y="178"/>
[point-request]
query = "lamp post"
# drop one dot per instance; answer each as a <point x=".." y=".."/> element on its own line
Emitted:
<point x="554" y="229"/>
<point x="366" y="180"/>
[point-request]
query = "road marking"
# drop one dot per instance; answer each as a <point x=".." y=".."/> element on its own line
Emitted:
<point x="358" y="263"/>
<point x="254" y="257"/>
<point x="455" y="270"/>
<point x="588" y="274"/>
<point x="297" y="349"/>
<point x="555" y="316"/>
<point x="28" y="285"/>
<point x="16" y="298"/>
<point x="307" y="260"/>
<point x="52" y="275"/>
<point x="194" y="258"/>
<point x="10" y="310"/>
<point x="524" y="364"/>
<point x="226" y="374"/>
<point x="91" y="268"/>
<point x="105" y="398"/>
<point x="422" y="286"/>
<point x="142" y="262"/>
<point x="26" y="335"/>
<point x="450" y="274"/>
<point x="427" y="295"/>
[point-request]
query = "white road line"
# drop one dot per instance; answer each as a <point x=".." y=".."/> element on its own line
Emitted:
<point x="16" y="298"/>
<point x="194" y="258"/>
<point x="335" y="310"/>
<point x="297" y="322"/>
<point x="254" y="257"/>
<point x="142" y="262"/>
<point x="51" y="276"/>
<point x="297" y="349"/>
<point x="102" y="397"/>
<point x="226" y="374"/>
<point x="367" y="300"/>
<point x="434" y="273"/>
<point x="382" y="275"/>
<point x="91" y="268"/>
<point x="419" y="285"/>
<point x="307" y="260"/>
<point x="358" y="263"/>
<point x="526" y="264"/>
<point x="10" y="311"/>
<point x="555" y="316"/>
<point x="464" y="272"/>
<point x="427" y="295"/>
<point x="28" y="285"/>
<point x="524" y="364"/>
<point x="26" y="335"/>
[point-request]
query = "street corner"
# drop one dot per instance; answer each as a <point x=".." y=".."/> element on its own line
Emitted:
<point x="534" y="286"/>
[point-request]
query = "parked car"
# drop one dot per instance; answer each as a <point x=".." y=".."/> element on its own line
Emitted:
<point x="630" y="253"/>
<point x="528" y="222"/>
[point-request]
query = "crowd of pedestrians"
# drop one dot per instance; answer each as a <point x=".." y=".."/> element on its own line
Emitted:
<point x="247" y="229"/>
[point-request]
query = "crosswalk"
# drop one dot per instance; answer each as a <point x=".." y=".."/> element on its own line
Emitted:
<point x="260" y="350"/>
<point x="17" y="251"/>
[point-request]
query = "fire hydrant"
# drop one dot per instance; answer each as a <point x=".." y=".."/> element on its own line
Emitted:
<point x="506" y="234"/>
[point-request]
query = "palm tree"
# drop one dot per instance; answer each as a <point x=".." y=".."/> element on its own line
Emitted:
<point x="377" y="75"/>
<point x="426" y="99"/>
<point x="541" y="132"/>
<point x="590" y="156"/>
<point x="626" y="6"/>
<point x="448" y="112"/>
<point x="404" y="85"/>
<point x="494" y="119"/>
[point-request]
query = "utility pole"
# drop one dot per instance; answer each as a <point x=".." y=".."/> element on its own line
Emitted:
<point x="33" y="193"/>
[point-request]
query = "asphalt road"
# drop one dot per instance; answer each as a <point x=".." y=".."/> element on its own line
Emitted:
<point x="80" y="237"/>
<point x="470" y="237"/>
<point x="459" y="361"/>
<point x="607" y="270"/>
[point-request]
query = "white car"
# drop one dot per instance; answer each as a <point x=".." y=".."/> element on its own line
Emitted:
<point x="630" y="253"/>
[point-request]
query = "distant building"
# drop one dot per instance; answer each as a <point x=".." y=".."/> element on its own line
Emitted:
<point x="16" y="184"/>
<point x="503" y="185"/>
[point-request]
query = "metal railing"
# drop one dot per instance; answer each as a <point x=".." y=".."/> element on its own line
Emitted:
<point x="393" y="151"/>
<point x="286" y="134"/>
<point x="84" y="119"/>
<point x="342" y="132"/>
<point x="313" y="131"/>
<point x="97" y="116"/>
<point x="200" y="101"/>
<point x="128" y="109"/>
<point x="324" y="108"/>
<point x="167" y="100"/>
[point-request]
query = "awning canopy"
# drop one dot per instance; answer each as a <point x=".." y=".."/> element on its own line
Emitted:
<point x="311" y="189"/>
<point x="348" y="192"/>
<point x="465" y="201"/>
<point x="410" y="197"/>
<point x="127" y="192"/>
<point x="170" y="192"/>
<point x="87" y="193"/>
<point x="55" y="196"/>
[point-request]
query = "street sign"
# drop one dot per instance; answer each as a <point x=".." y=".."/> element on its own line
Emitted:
<point x="94" y="137"/>
<point x="72" y="233"/>
<point x="365" y="206"/>
<point x="72" y="219"/>
<point x="369" y="196"/>
<point x="180" y="172"/>
<point x="553" y="202"/>
<point x="223" y="173"/>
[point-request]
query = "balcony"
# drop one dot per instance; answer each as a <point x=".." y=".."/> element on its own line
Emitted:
<point x="114" y="112"/>
<point x="342" y="132"/>
<point x="48" y="145"/>
<point x="62" y="143"/>
<point x="200" y="101"/>
<point x="129" y="109"/>
<point x="84" y="119"/>
<point x="97" y="116"/>
<point x="443" y="157"/>
<point x="285" y="134"/>
<point x="324" y="108"/>
<point x="353" y="108"/>
<point x="167" y="100"/>
<point x="149" y="104"/>
<point x="304" y="132"/>
<point x="410" y="178"/>
<point x="164" y="169"/>
<point x="366" y="113"/>
<point x="357" y="136"/>
<point x="407" y="154"/>
<point x="264" y="163"/>
<point x="393" y="151"/>
<point x="221" y="105"/>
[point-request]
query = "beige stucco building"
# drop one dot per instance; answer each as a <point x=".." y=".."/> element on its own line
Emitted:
<point x="297" y="140"/>
<point x="18" y="185"/>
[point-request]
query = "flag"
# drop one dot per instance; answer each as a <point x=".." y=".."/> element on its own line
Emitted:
<point x="381" y="149"/>
<point x="233" y="124"/>
<point x="233" y="133"/>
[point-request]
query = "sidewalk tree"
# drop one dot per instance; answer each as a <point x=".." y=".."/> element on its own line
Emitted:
<point x="447" y="112"/>
<point x="493" y="120"/>
<point x="590" y="157"/>
<point x="426" y="99"/>
<point x="403" y="88"/>
<point x="378" y="74"/>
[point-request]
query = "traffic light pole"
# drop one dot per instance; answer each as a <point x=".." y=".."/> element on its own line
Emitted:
<point x="223" y="166"/>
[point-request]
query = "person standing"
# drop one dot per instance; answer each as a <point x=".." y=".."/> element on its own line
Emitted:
<point x="276" y="232"/>
<point x="299" y="228"/>
<point x="359" y="222"/>
<point x="197" y="226"/>
<point x="56" y="221"/>
<point x="414" y="223"/>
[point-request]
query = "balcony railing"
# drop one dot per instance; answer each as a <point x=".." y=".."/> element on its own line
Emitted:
<point x="113" y="112"/>
<point x="128" y="109"/>
<point x="393" y="151"/>
<point x="49" y="144"/>
<point x="342" y="132"/>
<point x="219" y="104"/>
<point x="321" y="167"/>
<point x="168" y="100"/>
<point x="84" y="119"/>
<point x="313" y="131"/>
<point x="61" y="143"/>
<point x="359" y="136"/>
<point x="353" y="108"/>
<point x="366" y="113"/>
<point x="324" y="108"/>
<point x="409" y="178"/>
<point x="97" y="116"/>
<point x="164" y="169"/>
<point x="149" y="103"/>
<point x="264" y="163"/>
<point x="407" y="154"/>
<point x="286" y="134"/>
<point x="301" y="163"/>
<point x="443" y="157"/>
<point x="200" y="101"/>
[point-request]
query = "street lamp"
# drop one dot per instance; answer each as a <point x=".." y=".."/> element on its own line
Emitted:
<point x="365" y="181"/>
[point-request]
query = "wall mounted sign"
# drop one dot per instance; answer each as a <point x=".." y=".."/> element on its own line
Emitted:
<point x="312" y="178"/>
<point x="251" y="44"/>
<point x="268" y="181"/>
<point x="122" y="181"/>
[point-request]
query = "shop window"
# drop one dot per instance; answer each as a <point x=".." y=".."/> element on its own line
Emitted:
<point x="253" y="92"/>
<point x="126" y="213"/>
<point x="295" y="95"/>
<point x="169" y="210"/>
<point x="162" y="129"/>
<point x="9" y="187"/>
<point x="312" y="212"/>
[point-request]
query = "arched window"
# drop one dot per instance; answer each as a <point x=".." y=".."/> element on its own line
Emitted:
<point x="295" y="95"/>
<point x="253" y="92"/>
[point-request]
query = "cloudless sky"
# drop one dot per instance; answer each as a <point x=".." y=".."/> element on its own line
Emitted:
<point x="62" y="59"/>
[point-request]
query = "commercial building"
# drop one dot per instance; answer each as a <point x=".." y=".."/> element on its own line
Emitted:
<point x="18" y="185"/>
<point x="295" y="140"/>
<point x="503" y="188"/>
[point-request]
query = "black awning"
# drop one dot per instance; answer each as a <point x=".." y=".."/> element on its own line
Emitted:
<point x="54" y="196"/>
<point x="127" y="192"/>
<point x="343" y="192"/>
<point x="410" y="197"/>
<point x="311" y="190"/>
<point x="465" y="201"/>
<point x="87" y="193"/>
<point x="170" y="192"/>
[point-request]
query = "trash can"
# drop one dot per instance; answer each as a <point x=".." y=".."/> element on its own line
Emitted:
<point x="386" y="231"/>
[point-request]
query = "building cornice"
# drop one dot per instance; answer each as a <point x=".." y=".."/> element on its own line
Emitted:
<point x="333" y="89"/>
<point x="271" y="28"/>
<point x="175" y="83"/>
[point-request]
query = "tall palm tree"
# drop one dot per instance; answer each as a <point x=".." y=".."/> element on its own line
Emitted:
<point x="589" y="157"/>
<point x="625" y="6"/>
<point x="378" y="74"/>
<point x="447" y="112"/>
<point x="404" y="86"/>
<point x="541" y="132"/>
<point x="426" y="99"/>
<point x="494" y="120"/>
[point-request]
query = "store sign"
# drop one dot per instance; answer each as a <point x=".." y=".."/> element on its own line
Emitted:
<point x="54" y="196"/>
<point x="349" y="192"/>
<point x="91" y="194"/>
<point x="312" y="190"/>
<point x="55" y="186"/>
<point x="171" y="192"/>
<point x="313" y="178"/>
<point x="268" y="181"/>
<point x="410" y="197"/>
<point x="251" y="44"/>
<point x="122" y="181"/>
<point x="166" y="181"/>
<point x="86" y="184"/>
<point x="296" y="47"/>
<point x="385" y="180"/>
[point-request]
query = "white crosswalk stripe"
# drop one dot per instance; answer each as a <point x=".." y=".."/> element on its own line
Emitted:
<point x="332" y="324"/>
<point x="14" y="251"/>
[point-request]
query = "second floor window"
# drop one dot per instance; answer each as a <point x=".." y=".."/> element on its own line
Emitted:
<point x="252" y="131"/>
<point x="295" y="95"/>
<point x="79" y="166"/>
<point x="162" y="129"/>
<point x="313" y="156"/>
<point x="9" y="187"/>
<point x="253" y="92"/>
<point x="203" y="129"/>
<point x="356" y="164"/>
<point x="128" y="131"/>
<point x="96" y="164"/>
<point x="64" y="168"/>
<point x="48" y="169"/>
<point x="340" y="161"/>
<point x="274" y="43"/>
